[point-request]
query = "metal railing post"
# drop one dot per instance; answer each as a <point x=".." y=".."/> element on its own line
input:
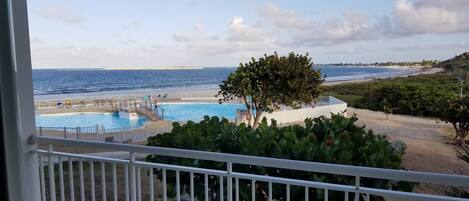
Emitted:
<point x="229" y="181"/>
<point x="357" y="187"/>
<point x="103" y="132"/>
<point x="77" y="131"/>
<point x="96" y="135"/>
<point x="50" y="165"/>
<point x="40" y="130"/>
<point x="65" y="133"/>
<point x="133" y="186"/>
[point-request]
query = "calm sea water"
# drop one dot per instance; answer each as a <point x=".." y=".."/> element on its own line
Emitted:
<point x="56" y="83"/>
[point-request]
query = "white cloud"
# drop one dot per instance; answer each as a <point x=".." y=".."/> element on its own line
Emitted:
<point x="286" y="19"/>
<point x="240" y="37"/>
<point x="181" y="38"/>
<point x="98" y="56"/>
<point x="276" y="29"/>
<point x="423" y="47"/>
<point x="354" y="26"/>
<point x="307" y="31"/>
<point x="128" y="42"/>
<point x="61" y="13"/>
<point x="239" y="31"/>
<point x="134" y="24"/>
<point x="410" y="17"/>
<point x="431" y="16"/>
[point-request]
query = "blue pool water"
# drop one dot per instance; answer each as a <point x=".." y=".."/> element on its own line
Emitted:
<point x="196" y="111"/>
<point x="109" y="120"/>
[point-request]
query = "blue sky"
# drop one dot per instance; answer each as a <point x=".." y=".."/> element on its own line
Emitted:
<point x="151" y="33"/>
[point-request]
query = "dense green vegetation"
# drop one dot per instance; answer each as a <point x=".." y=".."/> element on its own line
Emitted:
<point x="330" y="140"/>
<point x="417" y="95"/>
<point x="457" y="63"/>
<point x="460" y="62"/>
<point x="270" y="81"/>
<point x="435" y="95"/>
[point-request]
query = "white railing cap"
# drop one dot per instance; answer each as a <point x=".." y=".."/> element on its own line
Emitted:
<point x="328" y="168"/>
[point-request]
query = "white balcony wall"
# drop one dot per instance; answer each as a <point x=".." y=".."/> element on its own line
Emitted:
<point x="325" y="107"/>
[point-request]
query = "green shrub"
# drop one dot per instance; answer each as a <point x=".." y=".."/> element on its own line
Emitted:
<point x="456" y="112"/>
<point x="330" y="140"/>
<point x="418" y="95"/>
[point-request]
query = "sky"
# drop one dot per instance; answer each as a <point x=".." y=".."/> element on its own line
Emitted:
<point x="215" y="33"/>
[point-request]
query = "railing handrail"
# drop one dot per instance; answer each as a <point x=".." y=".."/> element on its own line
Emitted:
<point x="62" y="127"/>
<point x="84" y="127"/>
<point x="338" y="169"/>
<point x="262" y="178"/>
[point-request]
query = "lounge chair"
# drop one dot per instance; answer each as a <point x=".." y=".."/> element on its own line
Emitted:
<point x="109" y="139"/>
<point x="68" y="103"/>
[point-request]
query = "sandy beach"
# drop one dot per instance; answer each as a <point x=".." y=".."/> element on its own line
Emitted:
<point x="418" y="71"/>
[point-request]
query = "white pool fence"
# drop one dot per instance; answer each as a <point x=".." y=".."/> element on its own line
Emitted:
<point x="97" y="133"/>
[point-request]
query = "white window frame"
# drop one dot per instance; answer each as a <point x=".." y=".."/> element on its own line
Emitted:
<point x="16" y="93"/>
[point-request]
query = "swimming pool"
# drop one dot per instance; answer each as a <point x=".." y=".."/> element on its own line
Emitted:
<point x="197" y="111"/>
<point x="87" y="119"/>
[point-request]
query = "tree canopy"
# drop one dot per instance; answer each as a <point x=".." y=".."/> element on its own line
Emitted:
<point x="268" y="82"/>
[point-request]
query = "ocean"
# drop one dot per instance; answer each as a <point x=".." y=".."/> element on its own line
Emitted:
<point x="75" y="83"/>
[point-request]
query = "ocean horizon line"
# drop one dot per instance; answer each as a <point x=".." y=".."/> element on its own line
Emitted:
<point x="137" y="68"/>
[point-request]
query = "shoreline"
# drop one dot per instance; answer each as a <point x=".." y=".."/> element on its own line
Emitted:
<point x="208" y="92"/>
<point x="421" y="71"/>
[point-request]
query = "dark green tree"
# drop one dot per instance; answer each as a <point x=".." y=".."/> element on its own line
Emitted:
<point x="270" y="81"/>
<point x="456" y="112"/>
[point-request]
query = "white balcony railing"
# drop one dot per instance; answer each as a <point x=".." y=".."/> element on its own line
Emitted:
<point x="134" y="172"/>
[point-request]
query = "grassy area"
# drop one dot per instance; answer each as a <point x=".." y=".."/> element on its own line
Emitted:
<point x="415" y="95"/>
